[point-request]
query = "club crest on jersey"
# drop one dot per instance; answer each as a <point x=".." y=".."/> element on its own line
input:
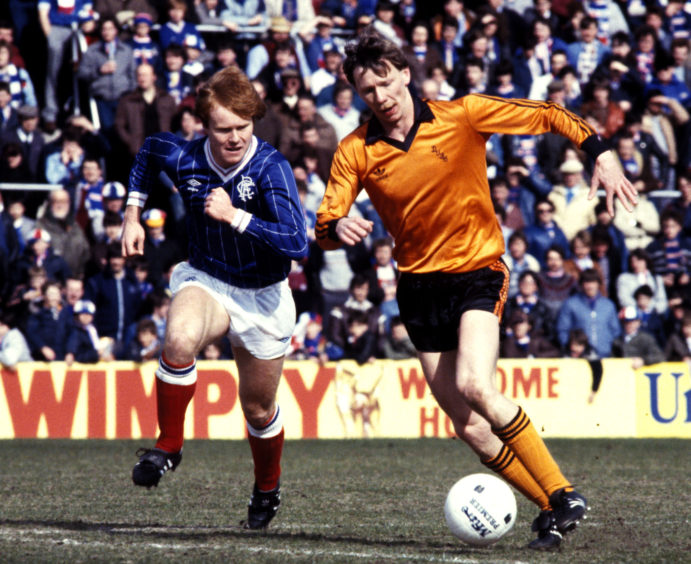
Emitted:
<point x="244" y="188"/>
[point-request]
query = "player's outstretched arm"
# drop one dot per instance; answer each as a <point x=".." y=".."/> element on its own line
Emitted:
<point x="352" y="230"/>
<point x="132" y="232"/>
<point x="609" y="174"/>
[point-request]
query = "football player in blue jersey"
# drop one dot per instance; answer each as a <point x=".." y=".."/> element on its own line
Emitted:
<point x="245" y="225"/>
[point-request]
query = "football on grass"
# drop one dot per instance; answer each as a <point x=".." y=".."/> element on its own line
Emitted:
<point x="480" y="509"/>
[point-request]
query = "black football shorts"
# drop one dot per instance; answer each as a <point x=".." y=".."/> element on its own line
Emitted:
<point x="431" y="304"/>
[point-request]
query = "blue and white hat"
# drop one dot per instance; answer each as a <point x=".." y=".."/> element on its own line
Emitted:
<point x="84" y="306"/>
<point x="114" y="190"/>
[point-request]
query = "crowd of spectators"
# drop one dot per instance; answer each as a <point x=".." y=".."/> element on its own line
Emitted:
<point x="76" y="107"/>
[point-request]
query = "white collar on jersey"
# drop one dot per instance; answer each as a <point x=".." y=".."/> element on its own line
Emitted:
<point x="227" y="173"/>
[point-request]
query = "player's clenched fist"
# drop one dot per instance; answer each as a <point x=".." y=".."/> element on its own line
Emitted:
<point x="218" y="206"/>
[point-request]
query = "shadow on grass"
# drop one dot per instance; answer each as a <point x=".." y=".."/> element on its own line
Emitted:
<point x="187" y="533"/>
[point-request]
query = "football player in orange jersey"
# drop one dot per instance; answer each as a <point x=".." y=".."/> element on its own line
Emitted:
<point x="422" y="164"/>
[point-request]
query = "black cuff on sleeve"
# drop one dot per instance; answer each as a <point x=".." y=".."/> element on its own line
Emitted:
<point x="595" y="146"/>
<point x="332" y="230"/>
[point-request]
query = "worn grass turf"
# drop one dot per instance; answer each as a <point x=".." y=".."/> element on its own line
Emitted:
<point x="343" y="501"/>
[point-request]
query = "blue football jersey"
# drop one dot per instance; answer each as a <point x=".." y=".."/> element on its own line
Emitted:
<point x="267" y="233"/>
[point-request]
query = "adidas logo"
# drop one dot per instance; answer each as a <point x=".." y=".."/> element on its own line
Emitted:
<point x="380" y="173"/>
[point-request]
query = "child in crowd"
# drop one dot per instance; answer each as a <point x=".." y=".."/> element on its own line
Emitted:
<point x="140" y="267"/>
<point x="397" y="344"/>
<point x="361" y="345"/>
<point x="28" y="298"/>
<point x="83" y="342"/>
<point x="23" y="225"/>
<point x="145" y="345"/>
<point x="215" y="350"/>
<point x="309" y="342"/>
<point x="521" y="342"/>
<point x="197" y="60"/>
<point x="176" y="29"/>
<point x="39" y="252"/>
<point x="144" y="48"/>
<point x="114" y="194"/>
<point x="176" y="81"/>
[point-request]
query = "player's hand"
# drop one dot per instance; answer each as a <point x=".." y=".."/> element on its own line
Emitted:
<point x="218" y="206"/>
<point x="610" y="175"/>
<point x="132" y="239"/>
<point x="352" y="230"/>
<point x="132" y="233"/>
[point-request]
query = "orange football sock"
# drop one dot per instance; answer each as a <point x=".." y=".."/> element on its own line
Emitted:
<point x="522" y="438"/>
<point x="509" y="467"/>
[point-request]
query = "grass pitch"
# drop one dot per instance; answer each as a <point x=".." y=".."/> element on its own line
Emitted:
<point x="343" y="501"/>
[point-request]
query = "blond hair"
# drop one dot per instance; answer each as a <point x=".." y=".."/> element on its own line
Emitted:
<point x="231" y="89"/>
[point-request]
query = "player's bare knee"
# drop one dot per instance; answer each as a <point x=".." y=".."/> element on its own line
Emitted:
<point x="258" y="413"/>
<point x="180" y="347"/>
<point x="477" y="395"/>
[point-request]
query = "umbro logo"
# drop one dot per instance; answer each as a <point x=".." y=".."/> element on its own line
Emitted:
<point x="380" y="173"/>
<point x="192" y="185"/>
<point x="439" y="153"/>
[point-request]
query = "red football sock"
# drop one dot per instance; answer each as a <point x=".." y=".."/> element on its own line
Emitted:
<point x="172" y="401"/>
<point x="267" y="447"/>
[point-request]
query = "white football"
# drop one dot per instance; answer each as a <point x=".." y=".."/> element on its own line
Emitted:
<point x="480" y="509"/>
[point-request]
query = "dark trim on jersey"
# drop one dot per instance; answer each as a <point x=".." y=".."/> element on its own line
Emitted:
<point x="327" y="230"/>
<point x="595" y="146"/>
<point x="525" y="103"/>
<point x="332" y="230"/>
<point x="375" y="131"/>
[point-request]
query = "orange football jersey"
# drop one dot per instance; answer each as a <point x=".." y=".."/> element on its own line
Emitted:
<point x="432" y="192"/>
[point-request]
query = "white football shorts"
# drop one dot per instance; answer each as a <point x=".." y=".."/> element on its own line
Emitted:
<point x="262" y="320"/>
